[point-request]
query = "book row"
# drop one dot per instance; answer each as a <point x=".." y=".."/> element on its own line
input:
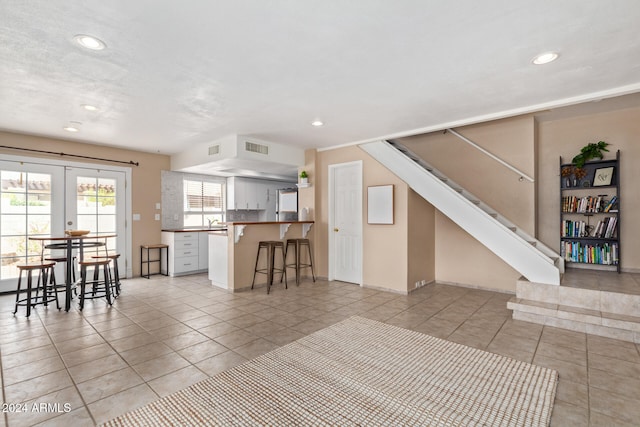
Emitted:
<point x="589" y="204"/>
<point x="605" y="228"/>
<point x="604" y="254"/>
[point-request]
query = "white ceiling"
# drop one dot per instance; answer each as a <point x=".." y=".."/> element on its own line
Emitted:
<point x="177" y="73"/>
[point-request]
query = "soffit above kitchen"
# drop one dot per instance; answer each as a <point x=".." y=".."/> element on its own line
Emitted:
<point x="173" y="75"/>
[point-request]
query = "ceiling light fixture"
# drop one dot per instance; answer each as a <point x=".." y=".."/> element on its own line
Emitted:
<point x="545" y="58"/>
<point x="317" y="123"/>
<point x="89" y="107"/>
<point x="89" y="42"/>
<point x="73" y="127"/>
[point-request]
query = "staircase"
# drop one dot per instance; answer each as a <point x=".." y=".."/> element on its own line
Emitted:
<point x="530" y="257"/>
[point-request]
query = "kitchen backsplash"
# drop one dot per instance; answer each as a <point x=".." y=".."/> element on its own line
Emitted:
<point x="172" y="209"/>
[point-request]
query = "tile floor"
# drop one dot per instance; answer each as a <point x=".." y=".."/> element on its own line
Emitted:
<point x="164" y="334"/>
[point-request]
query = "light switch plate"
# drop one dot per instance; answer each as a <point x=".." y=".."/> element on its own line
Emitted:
<point x="157" y="217"/>
<point x="136" y="217"/>
<point x="157" y="206"/>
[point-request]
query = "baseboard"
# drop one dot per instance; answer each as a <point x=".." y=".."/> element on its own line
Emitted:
<point x="481" y="288"/>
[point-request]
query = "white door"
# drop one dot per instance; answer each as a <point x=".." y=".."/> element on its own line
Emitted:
<point x="345" y="224"/>
<point x="96" y="202"/>
<point x="31" y="204"/>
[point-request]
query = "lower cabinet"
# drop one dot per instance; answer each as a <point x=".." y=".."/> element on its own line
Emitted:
<point x="187" y="250"/>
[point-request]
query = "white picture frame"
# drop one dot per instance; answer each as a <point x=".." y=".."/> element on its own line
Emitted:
<point x="380" y="204"/>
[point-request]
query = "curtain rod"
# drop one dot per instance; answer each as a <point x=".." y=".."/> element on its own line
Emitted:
<point x="130" y="162"/>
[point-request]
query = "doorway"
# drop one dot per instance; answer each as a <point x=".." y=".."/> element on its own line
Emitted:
<point x="43" y="197"/>
<point x="345" y="222"/>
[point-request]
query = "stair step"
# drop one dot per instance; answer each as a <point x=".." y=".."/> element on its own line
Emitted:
<point x="595" y="322"/>
<point x="475" y="202"/>
<point x="493" y="214"/>
<point x="514" y="229"/>
<point x="533" y="243"/>
<point x="458" y="190"/>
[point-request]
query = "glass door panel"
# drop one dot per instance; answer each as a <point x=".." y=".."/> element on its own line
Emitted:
<point x="31" y="204"/>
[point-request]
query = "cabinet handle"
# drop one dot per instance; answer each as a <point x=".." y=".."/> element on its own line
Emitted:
<point x="187" y="253"/>
<point x="187" y="263"/>
<point x="247" y="205"/>
<point x="187" y="244"/>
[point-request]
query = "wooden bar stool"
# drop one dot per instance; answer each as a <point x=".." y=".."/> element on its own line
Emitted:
<point x="270" y="246"/>
<point x="99" y="288"/>
<point x="49" y="293"/>
<point x="62" y="287"/>
<point x="115" y="275"/>
<point x="297" y="245"/>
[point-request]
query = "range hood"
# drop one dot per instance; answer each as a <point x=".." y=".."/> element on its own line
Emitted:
<point x="238" y="155"/>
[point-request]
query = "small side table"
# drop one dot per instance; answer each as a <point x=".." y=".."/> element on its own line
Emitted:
<point x="159" y="247"/>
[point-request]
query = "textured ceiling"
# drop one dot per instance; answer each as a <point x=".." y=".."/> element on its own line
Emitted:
<point x="181" y="73"/>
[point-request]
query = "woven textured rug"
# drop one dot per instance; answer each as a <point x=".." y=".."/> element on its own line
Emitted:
<point x="366" y="373"/>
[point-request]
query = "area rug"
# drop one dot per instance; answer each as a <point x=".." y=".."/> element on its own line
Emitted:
<point x="361" y="372"/>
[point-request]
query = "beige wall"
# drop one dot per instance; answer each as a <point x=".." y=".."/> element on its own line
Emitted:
<point x="420" y="240"/>
<point x="564" y="138"/>
<point x="512" y="140"/>
<point x="145" y="190"/>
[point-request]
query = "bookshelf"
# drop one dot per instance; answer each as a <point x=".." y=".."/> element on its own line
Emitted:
<point x="590" y="214"/>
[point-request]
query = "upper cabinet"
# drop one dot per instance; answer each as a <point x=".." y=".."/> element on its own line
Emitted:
<point x="253" y="194"/>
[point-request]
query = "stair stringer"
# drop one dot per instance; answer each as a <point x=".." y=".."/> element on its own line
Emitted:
<point x="508" y="245"/>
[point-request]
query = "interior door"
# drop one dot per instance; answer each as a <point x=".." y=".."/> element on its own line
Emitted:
<point x="31" y="204"/>
<point x="96" y="202"/>
<point x="345" y="226"/>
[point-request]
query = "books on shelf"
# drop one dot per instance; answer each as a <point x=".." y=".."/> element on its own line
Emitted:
<point x="612" y="206"/>
<point x="604" y="229"/>
<point x="588" y="204"/>
<point x="601" y="253"/>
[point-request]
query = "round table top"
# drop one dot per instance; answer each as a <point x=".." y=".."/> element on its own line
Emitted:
<point x="86" y="236"/>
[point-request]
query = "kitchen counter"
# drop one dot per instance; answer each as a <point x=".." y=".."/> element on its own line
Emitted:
<point x="232" y="257"/>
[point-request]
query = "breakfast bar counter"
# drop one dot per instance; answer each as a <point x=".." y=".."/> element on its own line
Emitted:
<point x="232" y="255"/>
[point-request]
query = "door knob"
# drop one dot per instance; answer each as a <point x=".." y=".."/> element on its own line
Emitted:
<point x="336" y="230"/>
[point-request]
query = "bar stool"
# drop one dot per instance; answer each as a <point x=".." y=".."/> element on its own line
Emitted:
<point x="48" y="292"/>
<point x="270" y="246"/>
<point x="61" y="287"/>
<point x="99" y="289"/>
<point x="297" y="264"/>
<point x="115" y="288"/>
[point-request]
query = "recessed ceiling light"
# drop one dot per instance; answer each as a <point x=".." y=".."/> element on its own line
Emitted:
<point x="545" y="58"/>
<point x="73" y="127"/>
<point x="89" y="107"/>
<point x="89" y="42"/>
<point x="317" y="123"/>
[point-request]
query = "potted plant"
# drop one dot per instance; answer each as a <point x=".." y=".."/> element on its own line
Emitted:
<point x="304" y="178"/>
<point x="588" y="152"/>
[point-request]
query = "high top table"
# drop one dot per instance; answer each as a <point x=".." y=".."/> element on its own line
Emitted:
<point x="69" y="243"/>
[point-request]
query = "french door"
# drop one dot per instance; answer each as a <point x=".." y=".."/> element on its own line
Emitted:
<point x="345" y="223"/>
<point x="31" y="204"/>
<point x="95" y="201"/>
<point x="44" y="197"/>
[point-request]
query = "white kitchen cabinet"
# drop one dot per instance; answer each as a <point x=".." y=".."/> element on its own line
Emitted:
<point x="185" y="252"/>
<point x="218" y="259"/>
<point x="254" y="194"/>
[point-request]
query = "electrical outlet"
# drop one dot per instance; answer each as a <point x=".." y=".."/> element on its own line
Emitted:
<point x="417" y="284"/>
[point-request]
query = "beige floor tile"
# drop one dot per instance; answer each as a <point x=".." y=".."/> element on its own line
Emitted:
<point x="573" y="393"/>
<point x="560" y="352"/>
<point x="569" y="371"/>
<point x="219" y="329"/>
<point x="202" y="321"/>
<point x="32" y="370"/>
<point x="255" y="348"/>
<point x="38" y="386"/>
<point x="25" y="344"/>
<point x="284" y="336"/>
<point x="567" y="415"/>
<point x="28" y="356"/>
<point x="105" y="409"/>
<point x="185" y="340"/>
<point x="177" y="380"/>
<point x="614" y="405"/>
<point x="96" y="368"/>
<point x="145" y="352"/>
<point x="46" y="407"/>
<point x="556" y="336"/>
<point x="133" y="341"/>
<point x="614" y="366"/>
<point x="108" y="384"/>
<point x="628" y="386"/>
<point x="235" y="339"/>
<point x="87" y="354"/>
<point x="79" y="343"/>
<point x="121" y="332"/>
<point x="201" y="351"/>
<point x="76" y="418"/>
<point x="160" y="366"/>
<point x="597" y="419"/>
<point x="221" y="362"/>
